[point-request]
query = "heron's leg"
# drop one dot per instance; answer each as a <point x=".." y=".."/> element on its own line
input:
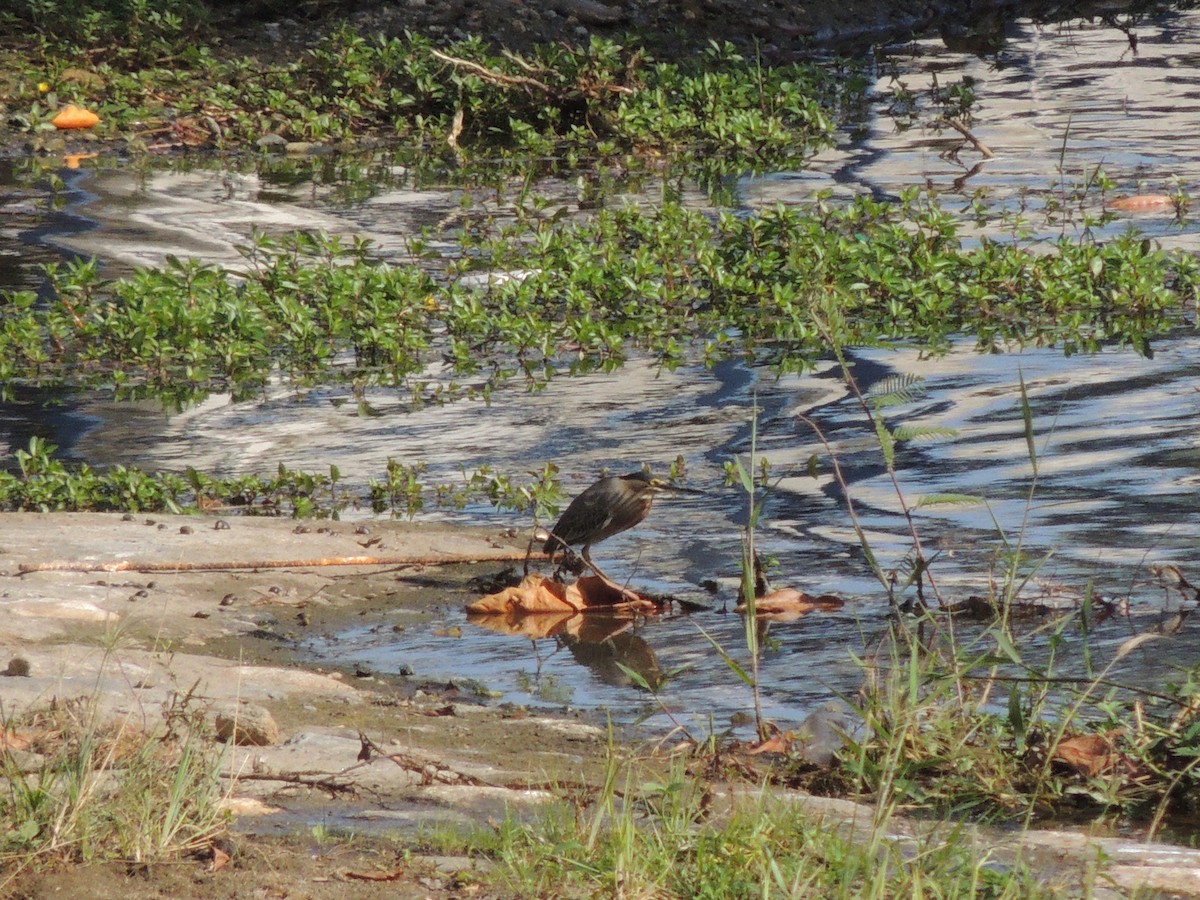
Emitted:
<point x="623" y="591"/>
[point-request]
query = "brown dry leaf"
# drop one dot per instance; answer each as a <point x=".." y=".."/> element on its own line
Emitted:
<point x="74" y="117"/>
<point x="219" y="859"/>
<point x="1087" y="754"/>
<point x="779" y="742"/>
<point x="1141" y="202"/>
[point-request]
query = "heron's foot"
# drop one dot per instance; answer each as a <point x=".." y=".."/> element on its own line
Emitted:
<point x="572" y="562"/>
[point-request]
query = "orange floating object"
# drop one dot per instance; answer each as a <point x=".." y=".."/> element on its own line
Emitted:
<point x="74" y="117"/>
<point x="72" y="160"/>
<point x="788" y="604"/>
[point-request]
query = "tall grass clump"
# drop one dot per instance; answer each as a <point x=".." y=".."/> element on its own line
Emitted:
<point x="76" y="787"/>
<point x="992" y="706"/>
<point x="670" y="834"/>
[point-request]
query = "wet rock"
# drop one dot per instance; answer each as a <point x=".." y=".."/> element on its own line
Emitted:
<point x="247" y="725"/>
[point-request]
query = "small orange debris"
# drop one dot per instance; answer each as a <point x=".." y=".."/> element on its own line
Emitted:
<point x="74" y="117"/>
<point x="1142" y="203"/>
<point x="786" y="604"/>
<point x="72" y="160"/>
<point x="779" y="742"/>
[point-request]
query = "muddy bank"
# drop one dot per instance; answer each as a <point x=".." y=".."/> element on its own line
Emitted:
<point x="135" y="642"/>
<point x="353" y="765"/>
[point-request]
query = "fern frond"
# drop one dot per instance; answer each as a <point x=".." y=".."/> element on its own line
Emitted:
<point x="922" y="433"/>
<point x="896" y="390"/>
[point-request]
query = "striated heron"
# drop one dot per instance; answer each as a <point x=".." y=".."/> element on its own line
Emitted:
<point x="610" y="506"/>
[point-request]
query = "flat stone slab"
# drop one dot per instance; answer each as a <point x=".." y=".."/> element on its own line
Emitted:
<point x="139" y="614"/>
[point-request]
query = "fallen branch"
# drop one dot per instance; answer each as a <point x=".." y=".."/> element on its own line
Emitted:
<point x="322" y="780"/>
<point x="127" y="565"/>
<point x="429" y="770"/>
<point x="497" y="77"/>
<point x="974" y="141"/>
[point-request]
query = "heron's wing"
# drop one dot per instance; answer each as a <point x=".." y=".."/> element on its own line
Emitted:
<point x="624" y="514"/>
<point x="586" y="516"/>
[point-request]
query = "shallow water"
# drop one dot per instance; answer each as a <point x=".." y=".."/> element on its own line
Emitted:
<point x="1119" y="457"/>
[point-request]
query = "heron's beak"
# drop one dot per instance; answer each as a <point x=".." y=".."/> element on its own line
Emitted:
<point x="659" y="484"/>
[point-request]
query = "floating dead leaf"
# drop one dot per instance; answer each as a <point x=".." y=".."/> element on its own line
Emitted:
<point x="537" y="594"/>
<point x="1142" y="203"/>
<point x="786" y="604"/>
<point x="1088" y="754"/>
<point x="74" y="117"/>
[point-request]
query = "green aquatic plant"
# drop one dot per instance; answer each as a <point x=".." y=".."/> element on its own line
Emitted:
<point x="776" y="287"/>
<point x="158" y="76"/>
<point x="39" y="481"/>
